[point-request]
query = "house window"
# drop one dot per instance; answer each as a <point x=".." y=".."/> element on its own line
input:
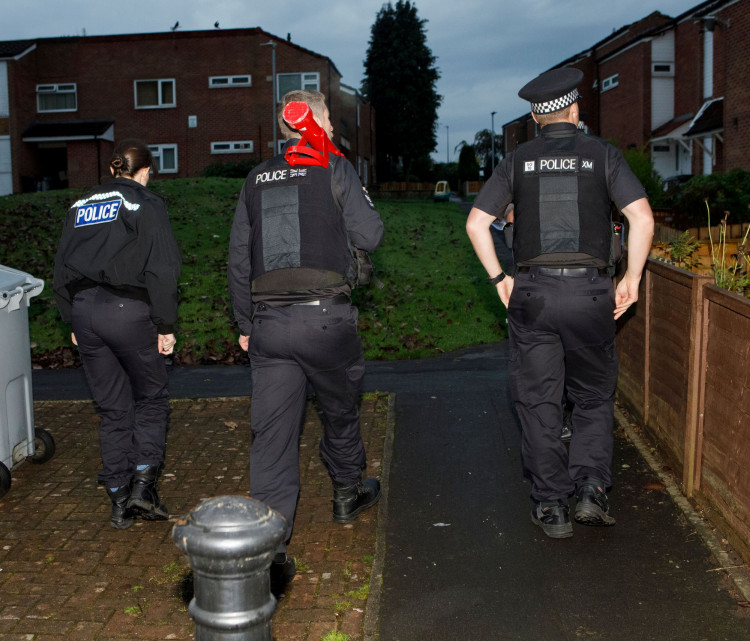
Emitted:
<point x="165" y="158"/>
<point x="56" y="98"/>
<point x="232" y="147"/>
<point x="611" y="82"/>
<point x="662" y="69"/>
<point x="220" y="82"/>
<point x="286" y="82"/>
<point x="154" y="94"/>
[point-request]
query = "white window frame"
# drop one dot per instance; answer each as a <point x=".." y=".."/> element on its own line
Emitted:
<point x="157" y="152"/>
<point x="161" y="83"/>
<point x="662" y="73"/>
<point x="610" y="82"/>
<point x="63" y="87"/>
<point x="229" y="82"/>
<point x="309" y="80"/>
<point x="232" y="147"/>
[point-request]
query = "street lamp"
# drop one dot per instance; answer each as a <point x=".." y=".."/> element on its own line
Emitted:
<point x="493" y="139"/>
<point x="447" y="145"/>
<point x="272" y="44"/>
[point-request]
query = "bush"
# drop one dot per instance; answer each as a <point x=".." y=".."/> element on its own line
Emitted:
<point x="641" y="165"/>
<point x="724" y="192"/>
<point x="229" y="169"/>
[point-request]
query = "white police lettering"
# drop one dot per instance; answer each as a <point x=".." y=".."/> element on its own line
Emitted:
<point x="558" y="164"/>
<point x="271" y="176"/>
<point x="96" y="213"/>
<point x="587" y="165"/>
<point x="529" y="165"/>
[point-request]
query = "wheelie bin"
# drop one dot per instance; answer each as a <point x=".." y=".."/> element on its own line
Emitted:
<point x="19" y="440"/>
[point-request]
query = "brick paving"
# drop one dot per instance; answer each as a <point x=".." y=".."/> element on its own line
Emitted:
<point x="65" y="574"/>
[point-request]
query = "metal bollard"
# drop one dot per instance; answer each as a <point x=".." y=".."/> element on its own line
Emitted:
<point x="230" y="542"/>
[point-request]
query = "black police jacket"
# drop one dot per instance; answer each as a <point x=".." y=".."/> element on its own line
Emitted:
<point x="118" y="236"/>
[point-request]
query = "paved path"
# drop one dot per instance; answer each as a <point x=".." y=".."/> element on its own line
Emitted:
<point x="459" y="556"/>
<point x="65" y="575"/>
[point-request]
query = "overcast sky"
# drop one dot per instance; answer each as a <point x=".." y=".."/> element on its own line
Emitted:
<point x="486" y="50"/>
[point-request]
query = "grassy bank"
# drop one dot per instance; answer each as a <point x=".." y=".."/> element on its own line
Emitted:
<point x="435" y="297"/>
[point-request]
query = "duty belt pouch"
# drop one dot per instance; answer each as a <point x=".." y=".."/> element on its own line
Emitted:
<point x="365" y="268"/>
<point x="508" y="233"/>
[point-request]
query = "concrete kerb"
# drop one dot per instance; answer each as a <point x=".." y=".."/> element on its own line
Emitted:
<point x="738" y="574"/>
<point x="370" y="623"/>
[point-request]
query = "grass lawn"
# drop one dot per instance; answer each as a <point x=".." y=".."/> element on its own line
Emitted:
<point x="436" y="297"/>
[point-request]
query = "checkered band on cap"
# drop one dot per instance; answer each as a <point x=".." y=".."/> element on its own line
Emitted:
<point x="556" y="104"/>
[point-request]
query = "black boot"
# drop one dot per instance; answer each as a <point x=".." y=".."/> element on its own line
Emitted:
<point x="283" y="569"/>
<point x="592" y="507"/>
<point x="121" y="516"/>
<point x="349" y="499"/>
<point x="143" y="497"/>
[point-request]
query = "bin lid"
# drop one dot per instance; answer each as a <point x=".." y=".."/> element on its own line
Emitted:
<point x="15" y="286"/>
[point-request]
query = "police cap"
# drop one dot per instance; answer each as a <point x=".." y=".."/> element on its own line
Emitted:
<point x="553" y="90"/>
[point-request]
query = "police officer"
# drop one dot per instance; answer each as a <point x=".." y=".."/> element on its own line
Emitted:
<point x="561" y="304"/>
<point x="290" y="277"/>
<point x="115" y="281"/>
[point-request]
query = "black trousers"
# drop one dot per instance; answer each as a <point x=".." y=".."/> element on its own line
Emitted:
<point x="127" y="378"/>
<point x="562" y="334"/>
<point x="290" y="346"/>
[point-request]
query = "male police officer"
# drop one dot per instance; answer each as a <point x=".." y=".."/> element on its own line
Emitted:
<point x="290" y="277"/>
<point x="561" y="301"/>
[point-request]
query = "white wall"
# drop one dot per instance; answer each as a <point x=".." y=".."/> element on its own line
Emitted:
<point x="6" y="176"/>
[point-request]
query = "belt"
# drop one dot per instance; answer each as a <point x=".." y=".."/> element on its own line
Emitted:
<point x="562" y="271"/>
<point x="338" y="299"/>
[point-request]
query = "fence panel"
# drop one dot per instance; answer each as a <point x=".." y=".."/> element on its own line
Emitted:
<point x="723" y="473"/>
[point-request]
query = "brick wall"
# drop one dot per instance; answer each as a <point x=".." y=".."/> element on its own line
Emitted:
<point x="88" y="165"/>
<point x="736" y="90"/>
<point x="625" y="110"/>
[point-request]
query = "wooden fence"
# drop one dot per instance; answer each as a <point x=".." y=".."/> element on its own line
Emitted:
<point x="684" y="354"/>
<point x="399" y="189"/>
<point x="664" y="232"/>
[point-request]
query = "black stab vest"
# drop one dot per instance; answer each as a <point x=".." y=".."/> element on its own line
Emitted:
<point x="561" y="198"/>
<point x="296" y="223"/>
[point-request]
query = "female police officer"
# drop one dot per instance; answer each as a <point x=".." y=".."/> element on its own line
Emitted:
<point x="115" y="281"/>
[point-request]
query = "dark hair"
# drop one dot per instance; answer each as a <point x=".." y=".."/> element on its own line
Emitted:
<point x="129" y="157"/>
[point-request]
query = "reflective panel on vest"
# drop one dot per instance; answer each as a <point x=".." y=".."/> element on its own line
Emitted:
<point x="558" y="214"/>
<point x="281" y="233"/>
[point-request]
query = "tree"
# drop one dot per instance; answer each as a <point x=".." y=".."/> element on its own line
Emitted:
<point x="468" y="168"/>
<point x="483" y="149"/>
<point x="400" y="78"/>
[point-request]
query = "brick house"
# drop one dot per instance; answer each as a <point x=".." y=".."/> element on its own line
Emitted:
<point x="197" y="98"/>
<point x="677" y="87"/>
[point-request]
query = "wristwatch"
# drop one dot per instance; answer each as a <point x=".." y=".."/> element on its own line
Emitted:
<point x="498" y="279"/>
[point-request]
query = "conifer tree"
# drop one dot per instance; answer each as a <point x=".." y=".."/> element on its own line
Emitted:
<point x="400" y="83"/>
